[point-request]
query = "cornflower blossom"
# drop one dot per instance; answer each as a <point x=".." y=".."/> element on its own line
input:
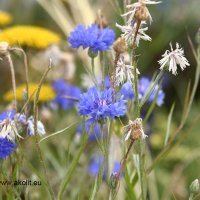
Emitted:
<point x="7" y="126"/>
<point x="40" y="127"/>
<point x="92" y="37"/>
<point x="124" y="72"/>
<point x="129" y="32"/>
<point x="143" y="84"/>
<point x="100" y="105"/>
<point x="66" y="94"/>
<point x="133" y="8"/>
<point x="6" y="147"/>
<point x="173" y="58"/>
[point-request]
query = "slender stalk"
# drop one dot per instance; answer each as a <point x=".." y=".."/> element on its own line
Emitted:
<point x="137" y="108"/>
<point x="124" y="160"/>
<point x="36" y="132"/>
<point x="12" y="70"/>
<point x="26" y="73"/>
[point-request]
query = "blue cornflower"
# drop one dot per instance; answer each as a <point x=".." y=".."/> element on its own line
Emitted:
<point x="6" y="147"/>
<point x="96" y="132"/>
<point x="92" y="37"/>
<point x="99" y="104"/>
<point x="64" y="89"/>
<point x="97" y="163"/>
<point x="5" y="115"/>
<point x="143" y="84"/>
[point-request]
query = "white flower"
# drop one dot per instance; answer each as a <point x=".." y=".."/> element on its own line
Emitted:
<point x="129" y="32"/>
<point x="134" y="130"/>
<point x="40" y="127"/>
<point x="173" y="58"/>
<point x="124" y="72"/>
<point x="135" y="6"/>
<point x="8" y="129"/>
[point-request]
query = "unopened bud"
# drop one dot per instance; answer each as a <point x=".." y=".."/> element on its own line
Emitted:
<point x="113" y="182"/>
<point x="91" y="53"/>
<point x="194" y="187"/>
<point x="4" y="46"/>
<point x="120" y="45"/>
<point x="142" y="13"/>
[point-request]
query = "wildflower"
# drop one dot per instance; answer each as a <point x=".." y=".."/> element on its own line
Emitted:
<point x="92" y="37"/>
<point x="129" y="32"/>
<point x="90" y="127"/>
<point x="97" y="163"/>
<point x="46" y="93"/>
<point x="67" y="95"/>
<point x="5" y="18"/>
<point x="124" y="72"/>
<point x="7" y="126"/>
<point x="6" y="147"/>
<point x="143" y="84"/>
<point x="134" y="130"/>
<point x="173" y="58"/>
<point x="30" y="36"/>
<point x="139" y="10"/>
<point x="99" y="104"/>
<point x="40" y="127"/>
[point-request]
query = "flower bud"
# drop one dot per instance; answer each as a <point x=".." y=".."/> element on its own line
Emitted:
<point x="194" y="187"/>
<point x="91" y="53"/>
<point x="142" y="13"/>
<point x="113" y="182"/>
<point x="120" y="45"/>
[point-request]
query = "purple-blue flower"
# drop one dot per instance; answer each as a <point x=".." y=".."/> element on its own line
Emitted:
<point x="143" y="84"/>
<point x="92" y="37"/>
<point x="64" y="90"/>
<point x="97" y="163"/>
<point x="95" y="132"/>
<point x="100" y="105"/>
<point x="6" y="147"/>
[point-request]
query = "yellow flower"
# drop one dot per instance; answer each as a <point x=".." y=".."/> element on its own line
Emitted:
<point x="5" y="18"/>
<point x="30" y="36"/>
<point x="46" y="93"/>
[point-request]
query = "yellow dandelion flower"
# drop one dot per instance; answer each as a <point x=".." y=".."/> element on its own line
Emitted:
<point x="30" y="36"/>
<point x="5" y="18"/>
<point x="46" y="93"/>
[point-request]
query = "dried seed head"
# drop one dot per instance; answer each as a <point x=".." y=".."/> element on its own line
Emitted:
<point x="134" y="130"/>
<point x="4" y="49"/>
<point x="120" y="45"/>
<point x="142" y="13"/>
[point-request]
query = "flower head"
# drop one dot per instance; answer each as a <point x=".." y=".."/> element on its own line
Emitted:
<point x="143" y="84"/>
<point x="46" y="93"/>
<point x="130" y="30"/>
<point x="92" y="37"/>
<point x="6" y="147"/>
<point x="66" y="94"/>
<point x="30" y="36"/>
<point x="173" y="58"/>
<point x="99" y="104"/>
<point x="134" y="130"/>
<point x="7" y="126"/>
<point x="5" y="18"/>
<point x="124" y="72"/>
<point x="139" y="10"/>
<point x="40" y="127"/>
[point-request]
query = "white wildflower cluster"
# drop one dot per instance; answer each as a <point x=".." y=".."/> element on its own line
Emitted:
<point x="137" y="11"/>
<point x="124" y="72"/>
<point x="173" y="58"/>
